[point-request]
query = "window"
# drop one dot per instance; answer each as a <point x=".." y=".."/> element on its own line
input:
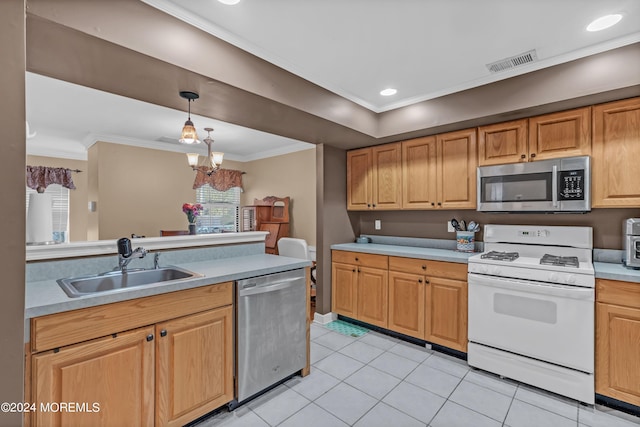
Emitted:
<point x="60" y="210"/>
<point x="220" y="210"/>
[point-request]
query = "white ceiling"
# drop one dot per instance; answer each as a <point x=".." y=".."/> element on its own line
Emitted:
<point x="354" y="48"/>
<point x="68" y="118"/>
<point x="423" y="48"/>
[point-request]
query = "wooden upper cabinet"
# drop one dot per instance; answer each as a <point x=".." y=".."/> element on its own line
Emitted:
<point x="456" y="169"/>
<point x="502" y="143"/>
<point x="562" y="134"/>
<point x="615" y="154"/>
<point x="374" y="178"/>
<point x="359" y="179"/>
<point x="419" y="186"/>
<point x="387" y="176"/>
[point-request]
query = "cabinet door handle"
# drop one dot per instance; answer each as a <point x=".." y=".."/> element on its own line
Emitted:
<point x="433" y="204"/>
<point x="374" y="205"/>
<point x="357" y="259"/>
<point x="358" y="270"/>
<point x="424" y="267"/>
<point x="426" y="281"/>
<point x="163" y="333"/>
<point x="523" y="156"/>
<point x="150" y="337"/>
<point x="419" y="280"/>
<point x="533" y="155"/>
<point x="439" y="204"/>
<point x="354" y="270"/>
<point x="368" y="205"/>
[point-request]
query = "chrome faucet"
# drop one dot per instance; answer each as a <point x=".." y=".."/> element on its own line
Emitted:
<point x="156" y="260"/>
<point x="126" y="255"/>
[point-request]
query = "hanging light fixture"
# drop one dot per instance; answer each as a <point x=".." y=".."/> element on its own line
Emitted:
<point x="214" y="158"/>
<point x="189" y="134"/>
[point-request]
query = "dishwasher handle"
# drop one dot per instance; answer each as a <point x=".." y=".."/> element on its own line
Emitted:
<point x="247" y="289"/>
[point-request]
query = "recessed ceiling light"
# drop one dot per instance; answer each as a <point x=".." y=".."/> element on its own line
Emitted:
<point x="229" y="2"/>
<point x="388" y="92"/>
<point x="604" y="22"/>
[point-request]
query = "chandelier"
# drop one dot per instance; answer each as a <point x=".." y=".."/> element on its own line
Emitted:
<point x="214" y="158"/>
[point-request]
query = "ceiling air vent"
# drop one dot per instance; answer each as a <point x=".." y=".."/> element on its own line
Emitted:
<point x="514" y="61"/>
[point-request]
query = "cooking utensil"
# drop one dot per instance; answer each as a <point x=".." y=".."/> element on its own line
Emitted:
<point x="463" y="225"/>
<point x="455" y="224"/>
<point x="471" y="226"/>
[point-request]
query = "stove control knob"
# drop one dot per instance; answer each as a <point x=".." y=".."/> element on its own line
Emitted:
<point x="554" y="277"/>
<point x="571" y="279"/>
<point x="495" y="271"/>
<point x="482" y="269"/>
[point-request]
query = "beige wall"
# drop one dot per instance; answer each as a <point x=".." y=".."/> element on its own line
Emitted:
<point x="292" y="175"/>
<point x="78" y="198"/>
<point x="139" y="190"/>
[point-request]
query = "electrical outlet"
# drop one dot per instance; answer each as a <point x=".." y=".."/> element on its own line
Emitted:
<point x="450" y="228"/>
<point x="378" y="224"/>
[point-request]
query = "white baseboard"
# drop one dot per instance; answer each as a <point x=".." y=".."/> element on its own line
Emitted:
<point x="323" y="319"/>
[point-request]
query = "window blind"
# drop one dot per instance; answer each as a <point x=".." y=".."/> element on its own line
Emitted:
<point x="221" y="210"/>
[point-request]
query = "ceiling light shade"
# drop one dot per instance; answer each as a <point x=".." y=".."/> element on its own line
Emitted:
<point x="192" y="158"/>
<point x="229" y="2"/>
<point x="189" y="134"/>
<point x="214" y="159"/>
<point x="604" y="22"/>
<point x="388" y="92"/>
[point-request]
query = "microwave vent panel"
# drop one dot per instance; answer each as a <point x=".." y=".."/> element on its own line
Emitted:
<point x="513" y="62"/>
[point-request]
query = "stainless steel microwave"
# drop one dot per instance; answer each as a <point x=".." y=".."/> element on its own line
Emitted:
<point x="557" y="185"/>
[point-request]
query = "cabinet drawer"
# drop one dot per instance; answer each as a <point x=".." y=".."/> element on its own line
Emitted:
<point x="449" y="270"/>
<point x="358" y="258"/>
<point x="57" y="330"/>
<point x="408" y="265"/>
<point x="616" y="292"/>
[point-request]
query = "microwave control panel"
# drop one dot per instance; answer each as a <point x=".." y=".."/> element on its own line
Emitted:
<point x="571" y="185"/>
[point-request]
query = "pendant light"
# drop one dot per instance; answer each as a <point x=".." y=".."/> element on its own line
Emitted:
<point x="189" y="134"/>
<point x="214" y="158"/>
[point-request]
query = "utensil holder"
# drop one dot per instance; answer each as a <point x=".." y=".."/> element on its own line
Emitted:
<point x="465" y="241"/>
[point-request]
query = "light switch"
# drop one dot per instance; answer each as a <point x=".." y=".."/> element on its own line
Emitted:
<point x="378" y="224"/>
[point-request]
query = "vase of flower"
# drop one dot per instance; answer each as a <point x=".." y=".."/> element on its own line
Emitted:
<point x="192" y="212"/>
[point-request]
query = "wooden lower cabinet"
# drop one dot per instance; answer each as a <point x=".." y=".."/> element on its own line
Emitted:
<point x="446" y="313"/>
<point x="617" y="368"/>
<point x="116" y="373"/>
<point x="194" y="366"/>
<point x="176" y="368"/>
<point x="344" y="289"/>
<point x="406" y="303"/>
<point x="423" y="299"/>
<point x="372" y="296"/>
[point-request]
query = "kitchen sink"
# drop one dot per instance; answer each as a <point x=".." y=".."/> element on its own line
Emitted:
<point x="117" y="281"/>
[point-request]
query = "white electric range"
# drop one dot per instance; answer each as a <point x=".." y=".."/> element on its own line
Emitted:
<point x="531" y="307"/>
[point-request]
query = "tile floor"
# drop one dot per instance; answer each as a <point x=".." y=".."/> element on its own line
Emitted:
<point x="380" y="381"/>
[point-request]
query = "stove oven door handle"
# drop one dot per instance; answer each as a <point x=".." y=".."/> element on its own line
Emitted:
<point x="548" y="289"/>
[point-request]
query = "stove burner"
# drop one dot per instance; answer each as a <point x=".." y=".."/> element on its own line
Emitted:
<point x="563" y="261"/>
<point x="501" y="256"/>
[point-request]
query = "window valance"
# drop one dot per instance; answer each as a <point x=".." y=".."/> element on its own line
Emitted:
<point x="221" y="180"/>
<point x="43" y="176"/>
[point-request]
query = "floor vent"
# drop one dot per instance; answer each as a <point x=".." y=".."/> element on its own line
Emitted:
<point x="514" y="61"/>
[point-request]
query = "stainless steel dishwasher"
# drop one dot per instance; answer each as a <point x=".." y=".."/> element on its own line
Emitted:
<point x="271" y="330"/>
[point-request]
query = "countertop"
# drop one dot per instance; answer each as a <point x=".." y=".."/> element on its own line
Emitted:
<point x="407" y="251"/>
<point x="47" y="297"/>
<point x="603" y="270"/>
